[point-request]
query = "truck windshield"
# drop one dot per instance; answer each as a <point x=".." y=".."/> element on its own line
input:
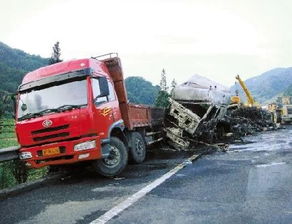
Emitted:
<point x="56" y="98"/>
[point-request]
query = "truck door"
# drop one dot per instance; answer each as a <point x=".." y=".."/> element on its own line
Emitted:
<point x="114" y="102"/>
<point x="103" y="111"/>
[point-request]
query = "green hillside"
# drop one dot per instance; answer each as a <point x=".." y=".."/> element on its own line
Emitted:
<point x="141" y="91"/>
<point x="288" y="91"/>
<point x="14" y="64"/>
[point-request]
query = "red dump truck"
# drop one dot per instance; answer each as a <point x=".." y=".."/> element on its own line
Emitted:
<point x="78" y="111"/>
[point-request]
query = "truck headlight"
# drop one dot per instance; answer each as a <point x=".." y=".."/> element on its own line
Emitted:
<point x="85" y="146"/>
<point x="25" y="155"/>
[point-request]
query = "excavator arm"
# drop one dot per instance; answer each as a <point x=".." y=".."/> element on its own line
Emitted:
<point x="250" y="99"/>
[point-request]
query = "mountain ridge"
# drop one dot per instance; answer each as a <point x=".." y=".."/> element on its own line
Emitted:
<point x="267" y="85"/>
<point x="14" y="64"/>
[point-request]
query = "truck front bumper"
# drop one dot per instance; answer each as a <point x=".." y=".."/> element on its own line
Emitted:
<point x="61" y="153"/>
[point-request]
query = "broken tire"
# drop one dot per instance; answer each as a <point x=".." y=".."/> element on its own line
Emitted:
<point x="116" y="162"/>
<point x="137" y="148"/>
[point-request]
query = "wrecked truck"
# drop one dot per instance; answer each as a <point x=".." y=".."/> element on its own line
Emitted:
<point x="201" y="112"/>
<point x="197" y="110"/>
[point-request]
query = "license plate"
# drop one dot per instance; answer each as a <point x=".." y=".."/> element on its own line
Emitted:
<point x="51" y="151"/>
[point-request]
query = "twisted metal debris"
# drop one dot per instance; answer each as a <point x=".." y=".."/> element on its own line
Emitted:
<point x="187" y="125"/>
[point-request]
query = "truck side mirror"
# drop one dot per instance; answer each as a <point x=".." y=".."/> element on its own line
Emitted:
<point x="103" y="86"/>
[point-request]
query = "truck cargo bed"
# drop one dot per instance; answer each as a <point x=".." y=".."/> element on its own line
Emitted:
<point x="143" y="116"/>
<point x="133" y="115"/>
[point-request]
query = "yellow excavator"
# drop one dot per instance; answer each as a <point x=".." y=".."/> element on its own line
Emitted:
<point x="250" y="100"/>
<point x="282" y="110"/>
<point x="235" y="99"/>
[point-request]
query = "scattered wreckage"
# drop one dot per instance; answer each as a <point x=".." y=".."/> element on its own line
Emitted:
<point x="200" y="113"/>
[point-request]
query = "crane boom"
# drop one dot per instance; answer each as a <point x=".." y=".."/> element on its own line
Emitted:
<point x="250" y="99"/>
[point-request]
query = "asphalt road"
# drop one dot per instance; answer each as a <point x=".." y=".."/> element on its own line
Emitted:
<point x="251" y="183"/>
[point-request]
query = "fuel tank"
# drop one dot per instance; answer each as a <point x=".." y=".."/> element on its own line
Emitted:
<point x="201" y="90"/>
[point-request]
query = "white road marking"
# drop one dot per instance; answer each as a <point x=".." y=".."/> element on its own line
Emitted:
<point x="140" y="194"/>
<point x="271" y="164"/>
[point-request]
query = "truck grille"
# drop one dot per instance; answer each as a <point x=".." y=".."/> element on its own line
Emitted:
<point x="63" y="134"/>
<point x="37" y="138"/>
<point x="50" y="129"/>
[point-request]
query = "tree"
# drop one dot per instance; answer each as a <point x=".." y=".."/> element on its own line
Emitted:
<point x="141" y="91"/>
<point x="5" y="105"/>
<point x="162" y="98"/>
<point x="55" y="58"/>
<point x="163" y="81"/>
<point x="173" y="85"/>
<point x="1" y="108"/>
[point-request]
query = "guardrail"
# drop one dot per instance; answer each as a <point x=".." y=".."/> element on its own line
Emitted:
<point x="9" y="153"/>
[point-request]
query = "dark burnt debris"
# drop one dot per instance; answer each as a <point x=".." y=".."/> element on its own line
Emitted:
<point x="248" y="120"/>
<point x="188" y="125"/>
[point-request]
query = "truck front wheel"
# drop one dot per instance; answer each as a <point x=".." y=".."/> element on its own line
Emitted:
<point x="115" y="162"/>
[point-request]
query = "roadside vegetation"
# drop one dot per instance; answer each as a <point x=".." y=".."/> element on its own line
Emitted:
<point x="14" y="172"/>
<point x="13" y="66"/>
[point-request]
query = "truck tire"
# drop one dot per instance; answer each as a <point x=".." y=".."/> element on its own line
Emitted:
<point x="137" y="148"/>
<point x="116" y="162"/>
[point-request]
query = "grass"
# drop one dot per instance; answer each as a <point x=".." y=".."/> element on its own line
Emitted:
<point x="7" y="142"/>
<point x="7" y="135"/>
<point x="9" y="168"/>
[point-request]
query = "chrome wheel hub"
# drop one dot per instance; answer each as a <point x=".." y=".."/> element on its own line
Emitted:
<point x="114" y="157"/>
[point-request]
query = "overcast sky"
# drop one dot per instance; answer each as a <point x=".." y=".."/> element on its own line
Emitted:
<point x="216" y="39"/>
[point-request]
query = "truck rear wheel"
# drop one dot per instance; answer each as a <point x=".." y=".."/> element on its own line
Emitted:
<point x="137" y="148"/>
<point x="116" y="162"/>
